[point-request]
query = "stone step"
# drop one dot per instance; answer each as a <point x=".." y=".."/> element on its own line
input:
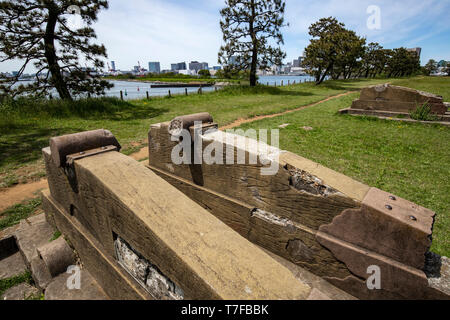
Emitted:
<point x="11" y="261"/>
<point x="48" y="261"/>
<point x="12" y="266"/>
<point x="22" y="291"/>
<point x="64" y="287"/>
<point x="33" y="233"/>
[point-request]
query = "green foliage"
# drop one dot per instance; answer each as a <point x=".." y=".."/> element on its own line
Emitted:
<point x="430" y="67"/>
<point x="204" y="73"/>
<point x="423" y="113"/>
<point x="5" y="284"/>
<point x="39" y="296"/>
<point x="334" y="50"/>
<point x="13" y="215"/>
<point x="402" y="63"/>
<point x="55" y="236"/>
<point x="338" y="52"/>
<point x="86" y="107"/>
<point x="249" y="28"/>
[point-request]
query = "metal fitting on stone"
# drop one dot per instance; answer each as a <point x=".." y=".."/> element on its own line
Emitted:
<point x="69" y="144"/>
<point x="185" y="122"/>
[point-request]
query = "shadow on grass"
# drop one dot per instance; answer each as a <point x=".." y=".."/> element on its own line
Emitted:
<point x="26" y="142"/>
<point x="88" y="109"/>
<point x="261" y="89"/>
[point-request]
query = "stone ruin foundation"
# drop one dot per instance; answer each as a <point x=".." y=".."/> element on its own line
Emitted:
<point x="210" y="231"/>
<point x="388" y="101"/>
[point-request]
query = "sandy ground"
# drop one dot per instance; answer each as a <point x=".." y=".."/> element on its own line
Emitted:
<point x="21" y="192"/>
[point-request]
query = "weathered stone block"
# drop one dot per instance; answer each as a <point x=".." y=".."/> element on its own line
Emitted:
<point x="387" y="97"/>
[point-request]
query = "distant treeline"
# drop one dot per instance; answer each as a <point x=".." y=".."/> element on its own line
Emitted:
<point x="340" y="53"/>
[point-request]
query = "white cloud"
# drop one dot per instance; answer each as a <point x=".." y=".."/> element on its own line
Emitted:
<point x="175" y="30"/>
<point x="155" y="30"/>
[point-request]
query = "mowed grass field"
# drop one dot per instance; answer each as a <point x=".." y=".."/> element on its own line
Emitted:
<point x="409" y="160"/>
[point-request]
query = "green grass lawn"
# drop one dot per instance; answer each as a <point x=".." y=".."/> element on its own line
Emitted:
<point x="406" y="159"/>
<point x="436" y="85"/>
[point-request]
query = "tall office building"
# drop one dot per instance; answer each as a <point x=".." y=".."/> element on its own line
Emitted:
<point x="154" y="67"/>
<point x="297" y="63"/>
<point x="178" y="66"/>
<point x="418" y="51"/>
<point x="197" y="66"/>
<point x="113" y="66"/>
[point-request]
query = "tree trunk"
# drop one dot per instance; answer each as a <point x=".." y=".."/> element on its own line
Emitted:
<point x="254" y="49"/>
<point x="52" y="60"/>
<point x="325" y="74"/>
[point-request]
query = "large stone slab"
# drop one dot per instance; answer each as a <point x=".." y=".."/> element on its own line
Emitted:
<point x="22" y="291"/>
<point x="12" y="266"/>
<point x="33" y="233"/>
<point x="88" y="290"/>
<point x="115" y="196"/>
<point x="387" y="97"/>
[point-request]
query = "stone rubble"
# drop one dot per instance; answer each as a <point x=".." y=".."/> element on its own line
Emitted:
<point x="147" y="275"/>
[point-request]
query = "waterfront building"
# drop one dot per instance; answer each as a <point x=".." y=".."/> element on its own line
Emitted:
<point x="113" y="66"/>
<point x="197" y="66"/>
<point x="154" y="67"/>
<point x="417" y="51"/>
<point x="178" y="66"/>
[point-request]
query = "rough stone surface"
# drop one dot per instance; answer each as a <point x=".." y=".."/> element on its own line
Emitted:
<point x="303" y="181"/>
<point x="31" y="234"/>
<point x="22" y="291"/>
<point x="441" y="279"/>
<point x="57" y="256"/>
<point x="321" y="289"/>
<point x="395" y="98"/>
<point x="318" y="295"/>
<point x="147" y="275"/>
<point x="136" y="266"/>
<point x="89" y="289"/>
<point x="12" y="266"/>
<point x="40" y="273"/>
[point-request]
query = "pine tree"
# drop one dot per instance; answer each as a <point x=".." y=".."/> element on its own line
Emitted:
<point x="252" y="35"/>
<point x="37" y="32"/>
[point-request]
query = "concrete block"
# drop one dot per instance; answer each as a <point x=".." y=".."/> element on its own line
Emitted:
<point x="12" y="266"/>
<point x="89" y="288"/>
<point x="57" y="256"/>
<point x="22" y="291"/>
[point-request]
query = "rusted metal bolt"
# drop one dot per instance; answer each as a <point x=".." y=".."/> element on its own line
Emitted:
<point x="413" y="218"/>
<point x="388" y="207"/>
<point x="392" y="198"/>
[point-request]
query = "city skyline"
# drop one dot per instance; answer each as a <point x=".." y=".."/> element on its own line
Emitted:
<point x="173" y="31"/>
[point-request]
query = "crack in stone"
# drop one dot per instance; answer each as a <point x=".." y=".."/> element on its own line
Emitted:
<point x="303" y="181"/>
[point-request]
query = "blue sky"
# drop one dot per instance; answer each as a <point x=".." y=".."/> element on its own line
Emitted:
<point x="173" y="31"/>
